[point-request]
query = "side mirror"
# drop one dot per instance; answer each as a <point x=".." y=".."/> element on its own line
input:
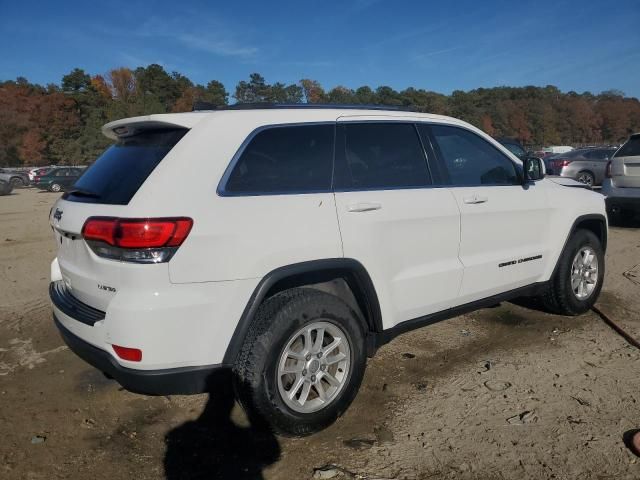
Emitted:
<point x="533" y="169"/>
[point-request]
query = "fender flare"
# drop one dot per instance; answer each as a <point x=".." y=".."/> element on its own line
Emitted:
<point x="366" y="296"/>
<point x="603" y="234"/>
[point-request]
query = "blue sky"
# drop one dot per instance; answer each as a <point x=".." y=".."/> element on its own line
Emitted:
<point x="440" y="46"/>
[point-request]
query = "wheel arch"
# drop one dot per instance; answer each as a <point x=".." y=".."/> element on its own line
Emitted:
<point x="595" y="223"/>
<point x="314" y="272"/>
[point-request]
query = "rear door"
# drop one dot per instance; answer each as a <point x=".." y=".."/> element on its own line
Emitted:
<point x="393" y="220"/>
<point x="504" y="225"/>
<point x="625" y="164"/>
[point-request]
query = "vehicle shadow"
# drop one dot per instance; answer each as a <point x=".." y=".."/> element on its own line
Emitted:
<point x="214" y="446"/>
<point x="625" y="222"/>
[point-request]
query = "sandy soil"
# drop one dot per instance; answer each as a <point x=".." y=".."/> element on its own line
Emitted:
<point x="507" y="392"/>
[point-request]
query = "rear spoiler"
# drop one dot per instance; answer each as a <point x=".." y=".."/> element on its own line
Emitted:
<point x="127" y="127"/>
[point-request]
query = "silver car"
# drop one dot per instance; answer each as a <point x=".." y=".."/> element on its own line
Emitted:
<point x="622" y="187"/>
<point x="587" y="165"/>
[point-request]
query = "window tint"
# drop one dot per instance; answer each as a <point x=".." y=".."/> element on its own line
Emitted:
<point x="285" y="159"/>
<point x="630" y="149"/>
<point x="118" y="173"/>
<point x="598" y="154"/>
<point x="382" y="155"/>
<point x="470" y="160"/>
<point x="515" y="149"/>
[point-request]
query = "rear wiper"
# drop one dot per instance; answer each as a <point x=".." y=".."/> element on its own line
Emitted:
<point x="83" y="193"/>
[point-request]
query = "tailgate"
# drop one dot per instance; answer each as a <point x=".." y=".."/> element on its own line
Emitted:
<point x="92" y="280"/>
<point x="626" y="171"/>
<point x="105" y="190"/>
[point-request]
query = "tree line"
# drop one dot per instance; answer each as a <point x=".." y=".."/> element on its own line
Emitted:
<point x="60" y="124"/>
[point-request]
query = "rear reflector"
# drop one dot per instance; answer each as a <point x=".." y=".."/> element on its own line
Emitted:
<point x="126" y="353"/>
<point x="140" y="240"/>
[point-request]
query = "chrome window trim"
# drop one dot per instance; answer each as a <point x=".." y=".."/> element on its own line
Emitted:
<point x="222" y="192"/>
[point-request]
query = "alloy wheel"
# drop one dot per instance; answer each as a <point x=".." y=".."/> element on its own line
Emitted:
<point x="314" y="367"/>
<point x="584" y="273"/>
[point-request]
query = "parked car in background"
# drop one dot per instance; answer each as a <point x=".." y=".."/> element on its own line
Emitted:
<point x="622" y="185"/>
<point x="35" y="173"/>
<point x="16" y="177"/>
<point x="587" y="165"/>
<point x="58" y="179"/>
<point x="5" y="184"/>
<point x="514" y="146"/>
<point x="557" y="149"/>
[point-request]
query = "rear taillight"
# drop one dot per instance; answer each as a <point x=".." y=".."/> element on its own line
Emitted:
<point x="138" y="240"/>
<point x="607" y="171"/>
<point x="561" y="162"/>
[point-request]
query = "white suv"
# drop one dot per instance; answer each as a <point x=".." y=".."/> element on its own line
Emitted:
<point x="287" y="244"/>
<point x="622" y="185"/>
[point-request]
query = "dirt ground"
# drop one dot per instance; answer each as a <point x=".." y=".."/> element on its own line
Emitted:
<point x="503" y="393"/>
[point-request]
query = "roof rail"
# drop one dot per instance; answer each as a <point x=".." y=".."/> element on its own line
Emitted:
<point x="199" y="106"/>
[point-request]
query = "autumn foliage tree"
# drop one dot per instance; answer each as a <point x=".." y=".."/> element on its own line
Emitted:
<point x="62" y="123"/>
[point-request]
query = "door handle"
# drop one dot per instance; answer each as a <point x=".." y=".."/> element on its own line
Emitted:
<point x="475" y="199"/>
<point x="363" y="207"/>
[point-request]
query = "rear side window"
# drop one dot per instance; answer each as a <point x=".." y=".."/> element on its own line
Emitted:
<point x="599" y="154"/>
<point x="279" y="160"/>
<point x="630" y="149"/>
<point x="381" y="156"/>
<point x="471" y="160"/>
<point x="120" y="171"/>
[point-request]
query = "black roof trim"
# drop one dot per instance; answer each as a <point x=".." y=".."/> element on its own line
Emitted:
<point x="199" y="106"/>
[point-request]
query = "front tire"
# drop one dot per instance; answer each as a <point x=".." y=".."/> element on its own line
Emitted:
<point x="578" y="279"/>
<point x="55" y="187"/>
<point x="302" y="362"/>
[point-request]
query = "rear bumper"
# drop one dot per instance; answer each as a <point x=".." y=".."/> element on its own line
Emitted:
<point x="170" y="381"/>
<point x="621" y="201"/>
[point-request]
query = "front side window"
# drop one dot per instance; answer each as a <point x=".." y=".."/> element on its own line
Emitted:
<point x="288" y="159"/>
<point x="381" y="156"/>
<point x="516" y="150"/>
<point x="471" y="160"/>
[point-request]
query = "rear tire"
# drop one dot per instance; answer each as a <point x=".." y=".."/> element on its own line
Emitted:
<point x="587" y="178"/>
<point x="577" y="282"/>
<point x="55" y="187"/>
<point x="292" y="404"/>
<point x="17" y="182"/>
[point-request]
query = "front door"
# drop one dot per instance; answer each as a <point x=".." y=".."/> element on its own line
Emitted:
<point x="505" y="229"/>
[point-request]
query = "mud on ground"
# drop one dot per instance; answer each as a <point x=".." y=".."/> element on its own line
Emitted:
<point x="506" y="392"/>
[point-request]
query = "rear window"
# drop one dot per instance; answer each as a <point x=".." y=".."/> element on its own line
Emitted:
<point x="280" y="160"/>
<point x="120" y="171"/>
<point x="630" y="149"/>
